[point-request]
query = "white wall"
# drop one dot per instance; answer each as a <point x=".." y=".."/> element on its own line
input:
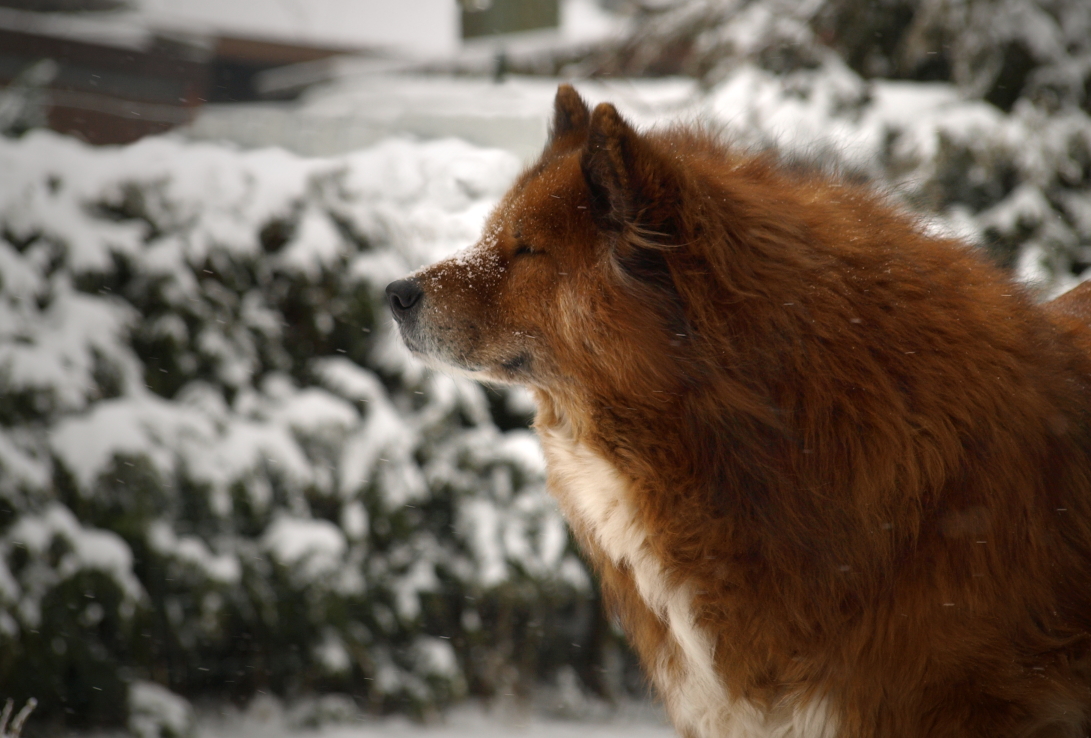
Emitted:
<point x="417" y="27"/>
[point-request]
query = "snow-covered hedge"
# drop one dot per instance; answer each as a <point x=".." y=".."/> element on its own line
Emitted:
<point x="1016" y="184"/>
<point x="219" y="471"/>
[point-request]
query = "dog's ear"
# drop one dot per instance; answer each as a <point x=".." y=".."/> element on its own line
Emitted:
<point x="609" y="162"/>
<point x="570" y="119"/>
<point x="633" y="192"/>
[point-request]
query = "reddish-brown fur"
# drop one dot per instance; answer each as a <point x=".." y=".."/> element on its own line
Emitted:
<point x="862" y="452"/>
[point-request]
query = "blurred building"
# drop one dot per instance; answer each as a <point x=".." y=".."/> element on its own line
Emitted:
<point x="111" y="71"/>
<point x="112" y="74"/>
<point x="107" y="83"/>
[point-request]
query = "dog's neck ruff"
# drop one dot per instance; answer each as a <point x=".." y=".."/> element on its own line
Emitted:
<point x="598" y="500"/>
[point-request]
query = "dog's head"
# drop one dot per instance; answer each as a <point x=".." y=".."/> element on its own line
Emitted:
<point x="569" y="281"/>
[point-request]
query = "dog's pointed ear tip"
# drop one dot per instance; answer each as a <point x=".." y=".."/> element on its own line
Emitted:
<point x="606" y="113"/>
<point x="607" y="121"/>
<point x="570" y="116"/>
<point x="569" y="102"/>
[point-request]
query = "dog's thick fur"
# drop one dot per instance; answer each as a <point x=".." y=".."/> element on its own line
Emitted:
<point x="834" y="472"/>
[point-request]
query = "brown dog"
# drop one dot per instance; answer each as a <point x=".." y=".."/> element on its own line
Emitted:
<point x="834" y="472"/>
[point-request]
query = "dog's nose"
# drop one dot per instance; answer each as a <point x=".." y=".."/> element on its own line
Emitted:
<point x="404" y="295"/>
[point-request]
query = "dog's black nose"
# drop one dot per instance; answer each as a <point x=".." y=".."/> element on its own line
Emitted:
<point x="404" y="295"/>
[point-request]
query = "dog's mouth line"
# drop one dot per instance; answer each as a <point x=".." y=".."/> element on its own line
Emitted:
<point x="441" y="361"/>
<point x="516" y="365"/>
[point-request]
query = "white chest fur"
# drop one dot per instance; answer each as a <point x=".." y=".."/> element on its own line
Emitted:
<point x="593" y="494"/>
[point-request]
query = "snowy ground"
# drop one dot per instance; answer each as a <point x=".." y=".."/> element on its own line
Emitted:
<point x="361" y="109"/>
<point x="631" y="721"/>
<point x="267" y="719"/>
